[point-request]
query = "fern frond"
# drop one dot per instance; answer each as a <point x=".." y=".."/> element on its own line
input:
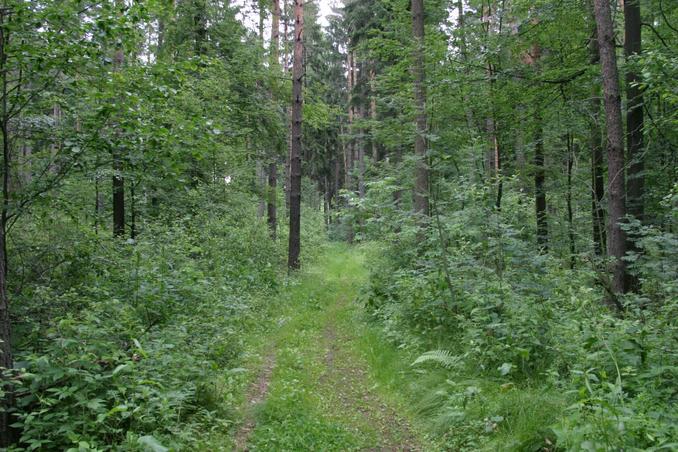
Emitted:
<point x="442" y="357"/>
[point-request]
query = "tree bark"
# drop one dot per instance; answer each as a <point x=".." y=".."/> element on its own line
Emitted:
<point x="6" y="360"/>
<point x="373" y="115"/>
<point x="634" y="126"/>
<point x="634" y="111"/>
<point x="421" y="182"/>
<point x="118" y="180"/>
<point x="261" y="188"/>
<point x="570" y="215"/>
<point x="539" y="189"/>
<point x="361" y="160"/>
<point x="616" y="238"/>
<point x="464" y="57"/>
<point x="272" y="206"/>
<point x="596" y="147"/>
<point x="295" y="155"/>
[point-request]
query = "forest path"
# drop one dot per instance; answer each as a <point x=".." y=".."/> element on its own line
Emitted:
<point x="315" y="390"/>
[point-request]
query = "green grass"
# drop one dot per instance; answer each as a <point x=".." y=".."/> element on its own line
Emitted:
<point x="321" y="395"/>
<point x="339" y="384"/>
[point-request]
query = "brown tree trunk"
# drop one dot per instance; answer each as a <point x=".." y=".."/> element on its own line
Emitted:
<point x="118" y="196"/>
<point x="295" y="155"/>
<point x="286" y="71"/>
<point x="539" y="189"/>
<point x="272" y="207"/>
<point x="421" y="175"/>
<point x="6" y="361"/>
<point x="261" y="188"/>
<point x="361" y="159"/>
<point x="596" y="147"/>
<point x="634" y="125"/>
<point x="118" y="180"/>
<point x="634" y="111"/>
<point x="350" y="143"/>
<point x="616" y="238"/>
<point x="373" y="116"/>
<point x="568" y="198"/>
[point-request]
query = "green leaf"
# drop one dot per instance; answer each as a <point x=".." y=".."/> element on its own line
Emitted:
<point x="505" y="368"/>
<point x="151" y="444"/>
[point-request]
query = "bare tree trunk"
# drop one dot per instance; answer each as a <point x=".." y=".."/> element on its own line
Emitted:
<point x="6" y="361"/>
<point x="568" y="197"/>
<point x="634" y="125"/>
<point x="464" y="57"/>
<point x="54" y="150"/>
<point x="421" y="182"/>
<point x="539" y="189"/>
<point x="634" y="111"/>
<point x="337" y="179"/>
<point x="118" y="180"/>
<point x="373" y="116"/>
<point x="361" y="160"/>
<point x="295" y="157"/>
<point x="616" y="243"/>
<point x="493" y="157"/>
<point x="349" y="146"/>
<point x="350" y="143"/>
<point x="132" y="212"/>
<point x="596" y="147"/>
<point x="272" y="208"/>
<point x="286" y="70"/>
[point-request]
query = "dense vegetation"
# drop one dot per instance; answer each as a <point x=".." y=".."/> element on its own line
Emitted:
<point x="509" y="167"/>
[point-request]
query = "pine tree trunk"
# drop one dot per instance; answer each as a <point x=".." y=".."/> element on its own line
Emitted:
<point x="616" y="238"/>
<point x="295" y="155"/>
<point x="421" y="182"/>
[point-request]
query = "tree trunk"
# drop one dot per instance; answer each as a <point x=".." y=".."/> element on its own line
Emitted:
<point x="596" y="147"/>
<point x="132" y="212"/>
<point x="261" y="188"/>
<point x="568" y="198"/>
<point x="616" y="238"/>
<point x="295" y="155"/>
<point x="272" y="207"/>
<point x="539" y="189"/>
<point x="6" y="361"/>
<point x="118" y="180"/>
<point x="421" y="182"/>
<point x="634" y="125"/>
<point x="288" y="111"/>
<point x="373" y="116"/>
<point x="118" y="196"/>
<point x="634" y="111"/>
<point x="464" y="58"/>
<point x="350" y="143"/>
<point x="361" y="159"/>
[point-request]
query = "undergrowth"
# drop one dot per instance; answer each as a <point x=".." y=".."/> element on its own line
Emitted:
<point x="136" y="344"/>
<point x="500" y="347"/>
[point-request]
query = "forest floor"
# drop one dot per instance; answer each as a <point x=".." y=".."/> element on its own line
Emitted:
<point x="317" y="384"/>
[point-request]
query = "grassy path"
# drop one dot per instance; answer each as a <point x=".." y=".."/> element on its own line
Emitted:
<point x="315" y="389"/>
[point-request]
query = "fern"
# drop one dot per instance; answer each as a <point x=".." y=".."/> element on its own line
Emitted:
<point x="442" y="357"/>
